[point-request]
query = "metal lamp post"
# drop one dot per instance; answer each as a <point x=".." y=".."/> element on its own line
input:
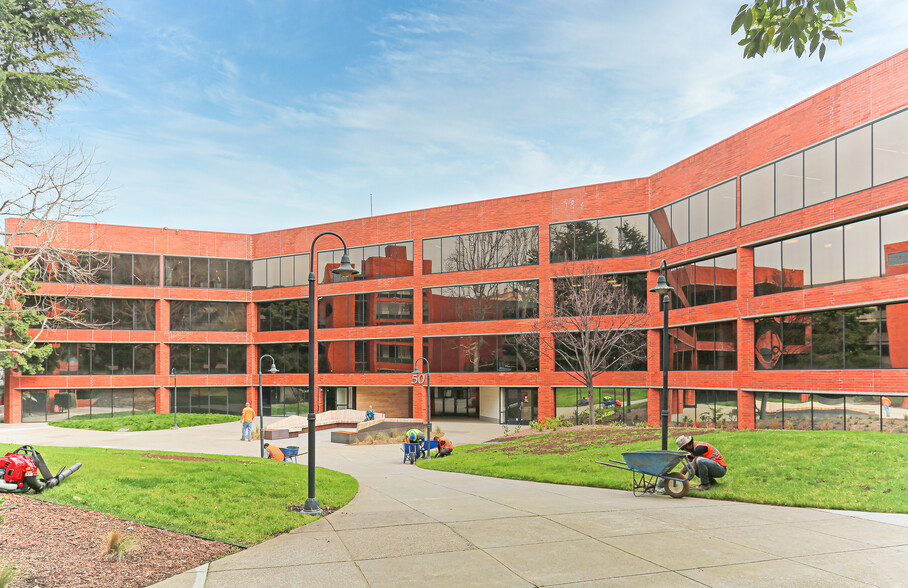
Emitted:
<point x="273" y="370"/>
<point x="173" y="374"/>
<point x="663" y="289"/>
<point x="415" y="380"/>
<point x="346" y="270"/>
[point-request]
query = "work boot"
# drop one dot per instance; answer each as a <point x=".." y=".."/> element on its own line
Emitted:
<point x="702" y="487"/>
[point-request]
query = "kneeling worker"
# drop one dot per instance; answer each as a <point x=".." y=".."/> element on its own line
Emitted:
<point x="706" y="461"/>
<point x="445" y="447"/>
<point x="417" y="436"/>
<point x="274" y="452"/>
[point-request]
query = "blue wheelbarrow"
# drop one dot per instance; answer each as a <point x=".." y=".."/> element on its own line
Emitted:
<point x="650" y="467"/>
<point x="412" y="451"/>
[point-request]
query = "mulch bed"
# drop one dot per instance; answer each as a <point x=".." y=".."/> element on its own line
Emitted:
<point x="55" y="545"/>
<point x="581" y="437"/>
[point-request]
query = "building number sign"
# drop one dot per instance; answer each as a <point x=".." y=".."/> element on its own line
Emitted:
<point x="418" y="379"/>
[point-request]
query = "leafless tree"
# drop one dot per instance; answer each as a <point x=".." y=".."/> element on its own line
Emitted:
<point x="37" y="195"/>
<point x="596" y="325"/>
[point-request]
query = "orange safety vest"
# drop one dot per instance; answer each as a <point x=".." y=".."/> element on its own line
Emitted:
<point x="711" y="453"/>
<point x="886" y="401"/>
<point x="248" y="414"/>
<point x="443" y="442"/>
<point x="275" y="453"/>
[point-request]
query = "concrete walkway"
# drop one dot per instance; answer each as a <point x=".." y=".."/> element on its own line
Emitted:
<point x="409" y="525"/>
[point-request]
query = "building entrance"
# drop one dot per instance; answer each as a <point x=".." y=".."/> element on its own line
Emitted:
<point x="519" y="406"/>
<point x="339" y="398"/>
<point x="448" y="402"/>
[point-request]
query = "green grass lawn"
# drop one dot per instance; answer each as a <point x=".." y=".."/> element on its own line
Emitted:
<point x="239" y="500"/>
<point x="849" y="470"/>
<point x="146" y="422"/>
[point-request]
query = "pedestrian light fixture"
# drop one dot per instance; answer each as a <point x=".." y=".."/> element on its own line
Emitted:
<point x="663" y="289"/>
<point x="271" y="370"/>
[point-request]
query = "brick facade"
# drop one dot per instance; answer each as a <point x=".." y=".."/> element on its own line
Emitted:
<point x="824" y="115"/>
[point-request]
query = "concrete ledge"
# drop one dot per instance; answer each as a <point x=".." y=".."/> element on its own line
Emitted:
<point x="373" y="428"/>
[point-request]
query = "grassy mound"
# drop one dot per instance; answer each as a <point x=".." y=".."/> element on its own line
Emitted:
<point x="145" y="422"/>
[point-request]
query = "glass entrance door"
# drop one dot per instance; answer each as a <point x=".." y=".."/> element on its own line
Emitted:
<point x="455" y="402"/>
<point x="339" y="398"/>
<point x="519" y="406"/>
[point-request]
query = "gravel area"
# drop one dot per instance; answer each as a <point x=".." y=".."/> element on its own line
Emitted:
<point x="54" y="545"/>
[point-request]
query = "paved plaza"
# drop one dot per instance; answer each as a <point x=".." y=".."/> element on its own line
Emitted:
<point x="412" y="526"/>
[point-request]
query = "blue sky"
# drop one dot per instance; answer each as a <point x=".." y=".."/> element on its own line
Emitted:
<point x="258" y="115"/>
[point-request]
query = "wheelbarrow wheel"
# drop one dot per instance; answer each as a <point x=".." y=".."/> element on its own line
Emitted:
<point x="676" y="486"/>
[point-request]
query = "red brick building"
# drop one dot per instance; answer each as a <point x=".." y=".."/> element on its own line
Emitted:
<point x="787" y="245"/>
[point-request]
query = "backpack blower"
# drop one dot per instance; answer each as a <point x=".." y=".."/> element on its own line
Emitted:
<point x="19" y="472"/>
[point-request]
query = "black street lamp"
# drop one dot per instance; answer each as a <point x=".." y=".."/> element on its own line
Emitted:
<point x="416" y="380"/>
<point x="346" y="270"/>
<point x="173" y="374"/>
<point x="663" y="290"/>
<point x="273" y="370"/>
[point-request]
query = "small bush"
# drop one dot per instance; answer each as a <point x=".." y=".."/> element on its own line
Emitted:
<point x="381" y="437"/>
<point x="369" y="440"/>
<point x="119" y="545"/>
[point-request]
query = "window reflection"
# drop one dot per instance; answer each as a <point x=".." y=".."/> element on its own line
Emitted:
<point x="372" y="261"/>
<point x="484" y="301"/>
<point x="188" y="315"/>
<point x="704" y="282"/>
<point x="711" y="346"/>
<point x="481" y="353"/>
<point x="491" y="249"/>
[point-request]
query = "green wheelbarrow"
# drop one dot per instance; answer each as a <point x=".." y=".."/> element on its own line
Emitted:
<point x="649" y="468"/>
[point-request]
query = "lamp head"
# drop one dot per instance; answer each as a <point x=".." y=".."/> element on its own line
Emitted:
<point x="415" y="369"/>
<point x="273" y="369"/>
<point x="345" y="268"/>
<point x="662" y="287"/>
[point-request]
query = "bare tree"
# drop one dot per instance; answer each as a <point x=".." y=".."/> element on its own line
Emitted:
<point x="596" y="325"/>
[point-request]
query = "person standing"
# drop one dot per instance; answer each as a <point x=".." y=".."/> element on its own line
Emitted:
<point x="887" y="402"/>
<point x="247" y="418"/>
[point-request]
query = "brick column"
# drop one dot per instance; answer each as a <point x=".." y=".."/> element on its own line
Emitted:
<point x="162" y="400"/>
<point x="546" y="398"/>
<point x="745" y="342"/>
<point x="12" y="413"/>
<point x="746" y="410"/>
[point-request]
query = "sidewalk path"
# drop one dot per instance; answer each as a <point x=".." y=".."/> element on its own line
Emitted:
<point x="409" y="525"/>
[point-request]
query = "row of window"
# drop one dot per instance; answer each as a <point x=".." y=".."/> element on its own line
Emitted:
<point x="627" y="296"/>
<point x="394" y="307"/>
<point x="868" y="156"/>
<point x="208" y="359"/>
<point x="204" y="272"/>
<point x="94" y="359"/>
<point x="481" y="302"/>
<point x="280" y="272"/>
<point x="57" y="405"/>
<point x="344" y="357"/>
<point x="837" y="412"/>
<point x="119" y="314"/>
<point x="600" y="238"/>
<point x="203" y="315"/>
<point x="215" y="400"/>
<point x="625" y="353"/>
<point x="479" y="251"/>
<point x="718" y="408"/>
<point x="482" y="353"/>
<point x="856" y="251"/>
<point x="704" y="282"/>
<point x="851" y="338"/>
<point x="372" y="262"/>
<point x="706" y="213"/>
<point x="706" y="347"/>
<point x="108" y="268"/>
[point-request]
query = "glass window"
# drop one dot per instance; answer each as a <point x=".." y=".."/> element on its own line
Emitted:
<point x="301" y="269"/>
<point x="179" y="315"/>
<point x="790" y="184"/>
<point x="726" y="277"/>
<point x="198" y="272"/>
<point x="608" y="236"/>
<point x="819" y="173"/>
<point x="236" y="359"/>
<point x="325" y="258"/>
<point x="121" y="268"/>
<point x="123" y="315"/>
<point x="200" y="316"/>
<point x="122" y="360"/>
<point x="632" y="235"/>
<point x="659" y="229"/>
<point x="561" y="242"/>
<point x="236" y="317"/>
<point x="853" y="154"/>
<point x="680" y="217"/>
<point x="862" y="240"/>
<point x="145" y="315"/>
<point x="827" y="255"/>
<point x="767" y="269"/>
<point x="757" y="195"/>
<point x="704" y="282"/>
<point x="102" y="313"/>
<point x="826" y="339"/>
<point x="259" y="274"/>
<point x="828" y="412"/>
<point x="198" y="359"/>
<point x="179" y="358"/>
<point x="796" y="263"/>
<point x="238" y="274"/>
<point x="890" y="148"/>
<point x="146" y="269"/>
<point x="894" y="236"/>
<point x="431" y="255"/>
<point x="699" y="216"/>
<point x="767" y="343"/>
<point x="404" y="259"/>
<point x="176" y="271"/>
<point x="796" y="337"/>
<point x="217" y="273"/>
<point x="273" y="265"/>
<point x="217" y="357"/>
<point x="862" y="338"/>
<point x="722" y="207"/>
<point x="287" y="271"/>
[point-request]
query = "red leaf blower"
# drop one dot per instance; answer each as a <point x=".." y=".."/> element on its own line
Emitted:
<point x="19" y="472"/>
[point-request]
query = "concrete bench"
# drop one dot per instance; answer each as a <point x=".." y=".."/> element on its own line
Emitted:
<point x="293" y="425"/>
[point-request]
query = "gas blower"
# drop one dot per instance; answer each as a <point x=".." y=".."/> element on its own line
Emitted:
<point x="19" y="472"/>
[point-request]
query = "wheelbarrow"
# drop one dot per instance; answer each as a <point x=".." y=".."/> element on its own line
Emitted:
<point x="647" y="466"/>
<point x="412" y="450"/>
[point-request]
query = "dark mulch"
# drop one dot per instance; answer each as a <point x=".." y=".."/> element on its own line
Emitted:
<point x="55" y="545"/>
<point x="581" y="437"/>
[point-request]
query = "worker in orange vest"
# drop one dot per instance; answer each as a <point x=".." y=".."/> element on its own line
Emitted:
<point x="274" y="452"/>
<point x="445" y="447"/>
<point x="887" y="402"/>
<point x="247" y="418"/>
<point x="706" y="461"/>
